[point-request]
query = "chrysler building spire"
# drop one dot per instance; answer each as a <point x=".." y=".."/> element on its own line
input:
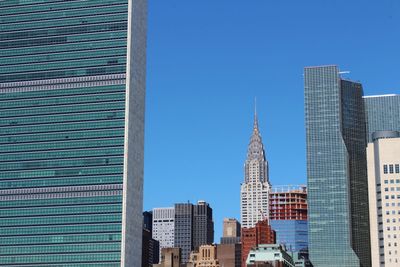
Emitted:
<point x="256" y="186"/>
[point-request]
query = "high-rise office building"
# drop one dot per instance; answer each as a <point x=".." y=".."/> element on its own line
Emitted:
<point x="384" y="197"/>
<point x="184" y="229"/>
<point x="231" y="231"/>
<point x="164" y="227"/>
<point x="336" y="169"/>
<point x="231" y="228"/>
<point x="193" y="227"/>
<point x="255" y="188"/>
<point x="288" y="216"/>
<point x="150" y="249"/>
<point x="383" y="113"/>
<point x="203" y="224"/>
<point x="72" y="86"/>
<point x="150" y="246"/>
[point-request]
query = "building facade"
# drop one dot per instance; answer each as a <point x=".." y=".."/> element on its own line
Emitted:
<point x="269" y="255"/>
<point x="203" y="224"/>
<point x="336" y="169"/>
<point x="383" y="113"/>
<point x="288" y="202"/>
<point x="205" y="257"/>
<point x="150" y="249"/>
<point x="150" y="246"/>
<point x="230" y="249"/>
<point x="255" y="188"/>
<point x="293" y="234"/>
<point x="231" y="227"/>
<point x="184" y="229"/>
<point x="164" y="227"/>
<point x="229" y="255"/>
<point x="170" y="257"/>
<point x="288" y="216"/>
<point x="384" y="197"/>
<point x="72" y="87"/>
<point x="261" y="233"/>
<point x="231" y="231"/>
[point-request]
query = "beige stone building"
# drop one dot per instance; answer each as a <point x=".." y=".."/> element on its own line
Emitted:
<point x="383" y="155"/>
<point x="231" y="227"/>
<point x="205" y="257"/>
<point x="170" y="257"/>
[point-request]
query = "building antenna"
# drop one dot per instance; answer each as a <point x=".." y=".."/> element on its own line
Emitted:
<point x="255" y="106"/>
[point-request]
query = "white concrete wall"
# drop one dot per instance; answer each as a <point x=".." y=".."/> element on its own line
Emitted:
<point x="132" y="218"/>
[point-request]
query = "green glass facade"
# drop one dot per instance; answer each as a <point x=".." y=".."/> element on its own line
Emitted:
<point x="62" y="131"/>
<point x="336" y="170"/>
<point x="383" y="113"/>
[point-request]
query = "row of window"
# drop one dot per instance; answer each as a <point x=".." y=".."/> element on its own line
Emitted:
<point x="391" y="168"/>
<point x="392" y="197"/>
<point x="392" y="189"/>
<point x="393" y="212"/>
<point x="393" y="204"/>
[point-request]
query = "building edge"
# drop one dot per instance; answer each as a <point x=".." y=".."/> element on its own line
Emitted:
<point x="132" y="200"/>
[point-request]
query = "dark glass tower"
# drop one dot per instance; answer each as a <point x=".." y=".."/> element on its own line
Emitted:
<point x="336" y="169"/>
<point x="72" y="76"/>
<point x="183" y="238"/>
<point x="203" y="225"/>
<point x="383" y="113"/>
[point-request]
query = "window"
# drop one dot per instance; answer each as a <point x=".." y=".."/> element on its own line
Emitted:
<point x="391" y="168"/>
<point x="397" y="168"/>
<point x="385" y="169"/>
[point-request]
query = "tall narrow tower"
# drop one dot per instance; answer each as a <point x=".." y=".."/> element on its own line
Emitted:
<point x="338" y="222"/>
<point x="256" y="186"/>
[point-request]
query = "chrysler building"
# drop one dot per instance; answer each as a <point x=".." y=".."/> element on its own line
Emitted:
<point x="255" y="188"/>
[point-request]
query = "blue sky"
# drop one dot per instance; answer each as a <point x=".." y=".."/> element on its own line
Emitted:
<point x="208" y="60"/>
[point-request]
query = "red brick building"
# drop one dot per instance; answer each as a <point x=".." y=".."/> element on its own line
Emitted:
<point x="262" y="233"/>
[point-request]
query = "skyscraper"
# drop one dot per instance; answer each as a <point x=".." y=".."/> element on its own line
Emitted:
<point x="184" y="229"/>
<point x="384" y="197"/>
<point x="336" y="169"/>
<point x="203" y="225"/>
<point x="288" y="216"/>
<point x="164" y="227"/>
<point x="72" y="86"/>
<point x="383" y="113"/>
<point x="194" y="227"/>
<point x="255" y="188"/>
